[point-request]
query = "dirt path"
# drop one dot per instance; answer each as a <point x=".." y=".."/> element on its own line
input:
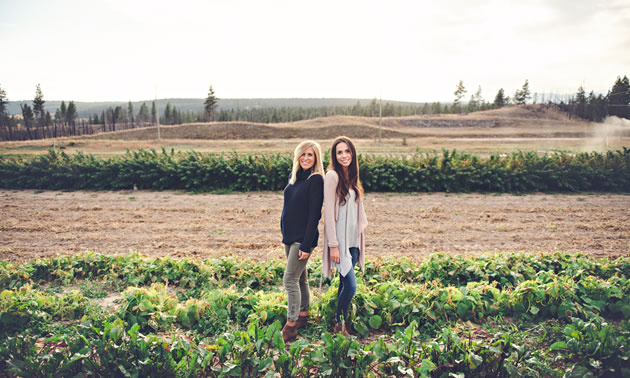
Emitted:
<point x="209" y="225"/>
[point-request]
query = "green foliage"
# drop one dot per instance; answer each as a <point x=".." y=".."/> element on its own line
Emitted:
<point x="150" y="308"/>
<point x="448" y="172"/>
<point x="29" y="308"/>
<point x="567" y="313"/>
<point x="619" y="98"/>
<point x="601" y="349"/>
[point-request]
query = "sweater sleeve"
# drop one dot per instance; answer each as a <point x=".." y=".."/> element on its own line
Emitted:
<point x="315" y="199"/>
<point x="330" y="197"/>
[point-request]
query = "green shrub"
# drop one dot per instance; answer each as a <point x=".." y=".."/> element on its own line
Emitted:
<point x="449" y="171"/>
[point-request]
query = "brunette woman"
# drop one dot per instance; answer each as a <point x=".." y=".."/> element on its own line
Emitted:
<point x="301" y="212"/>
<point x="344" y="225"/>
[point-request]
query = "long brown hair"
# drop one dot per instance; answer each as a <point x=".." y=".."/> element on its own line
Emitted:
<point x="352" y="181"/>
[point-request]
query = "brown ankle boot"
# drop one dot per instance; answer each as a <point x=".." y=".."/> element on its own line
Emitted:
<point x="289" y="333"/>
<point x="302" y="321"/>
<point x="350" y="329"/>
<point x="340" y="328"/>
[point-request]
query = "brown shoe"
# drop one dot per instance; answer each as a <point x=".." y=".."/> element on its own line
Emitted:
<point x="350" y="329"/>
<point x="302" y="321"/>
<point x="340" y="328"/>
<point x="289" y="333"/>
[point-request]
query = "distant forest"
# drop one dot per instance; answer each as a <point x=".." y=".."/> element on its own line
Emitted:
<point x="21" y="120"/>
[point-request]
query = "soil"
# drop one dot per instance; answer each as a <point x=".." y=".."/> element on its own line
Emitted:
<point x="178" y="224"/>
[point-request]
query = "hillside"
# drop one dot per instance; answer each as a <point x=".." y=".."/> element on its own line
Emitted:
<point x="522" y="121"/>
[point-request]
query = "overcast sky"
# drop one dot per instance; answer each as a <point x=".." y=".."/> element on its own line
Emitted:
<point x="121" y="50"/>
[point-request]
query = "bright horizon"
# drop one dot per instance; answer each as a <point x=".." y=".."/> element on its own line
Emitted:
<point x="414" y="51"/>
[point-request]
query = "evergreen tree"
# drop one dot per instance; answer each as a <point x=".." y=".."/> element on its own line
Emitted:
<point x="116" y="115"/>
<point x="130" y="113"/>
<point x="619" y="98"/>
<point x="167" y="114"/>
<point x="153" y="113"/>
<point x="63" y="110"/>
<point x="522" y="95"/>
<point x="580" y="103"/>
<point x="38" y="106"/>
<point x="599" y="108"/>
<point x="109" y="113"/>
<point x="210" y="105"/>
<point x="459" y="93"/>
<point x="58" y="120"/>
<point x="174" y="116"/>
<point x="28" y="117"/>
<point x="143" y="113"/>
<point x="71" y="116"/>
<point x="3" y="103"/>
<point x="4" y="116"/>
<point x="499" y="99"/>
<point x="48" y="119"/>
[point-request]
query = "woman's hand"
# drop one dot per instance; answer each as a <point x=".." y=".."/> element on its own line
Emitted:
<point x="303" y="255"/>
<point x="334" y="254"/>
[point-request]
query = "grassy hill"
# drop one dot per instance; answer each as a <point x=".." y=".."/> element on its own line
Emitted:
<point x="537" y="128"/>
<point x="523" y="121"/>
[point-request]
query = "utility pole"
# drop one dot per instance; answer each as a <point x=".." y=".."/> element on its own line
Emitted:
<point x="380" y="118"/>
<point x="157" y="114"/>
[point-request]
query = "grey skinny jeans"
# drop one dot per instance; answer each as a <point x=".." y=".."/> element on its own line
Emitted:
<point x="296" y="282"/>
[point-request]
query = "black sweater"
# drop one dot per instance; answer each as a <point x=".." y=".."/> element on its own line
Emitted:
<point x="302" y="210"/>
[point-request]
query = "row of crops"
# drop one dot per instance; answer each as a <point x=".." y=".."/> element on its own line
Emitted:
<point x="504" y="315"/>
<point x="446" y="171"/>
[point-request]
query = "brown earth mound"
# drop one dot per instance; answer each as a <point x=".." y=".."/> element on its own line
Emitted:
<point x="239" y="130"/>
<point x="364" y="127"/>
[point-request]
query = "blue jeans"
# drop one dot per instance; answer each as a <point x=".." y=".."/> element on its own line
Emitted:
<point x="347" y="288"/>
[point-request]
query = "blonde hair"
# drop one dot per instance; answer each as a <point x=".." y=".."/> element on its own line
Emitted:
<point x="318" y="165"/>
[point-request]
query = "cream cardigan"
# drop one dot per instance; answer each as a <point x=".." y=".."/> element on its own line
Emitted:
<point x="331" y="214"/>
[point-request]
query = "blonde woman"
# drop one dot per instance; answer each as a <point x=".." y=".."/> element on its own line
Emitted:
<point x="301" y="212"/>
<point x="344" y="225"/>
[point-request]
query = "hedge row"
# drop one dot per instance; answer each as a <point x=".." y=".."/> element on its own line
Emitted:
<point x="444" y="172"/>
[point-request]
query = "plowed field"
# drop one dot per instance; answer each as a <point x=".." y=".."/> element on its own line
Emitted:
<point x="248" y="224"/>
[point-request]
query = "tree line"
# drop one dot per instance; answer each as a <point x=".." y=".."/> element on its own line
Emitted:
<point x="36" y="123"/>
<point x="592" y="107"/>
<point x="595" y="108"/>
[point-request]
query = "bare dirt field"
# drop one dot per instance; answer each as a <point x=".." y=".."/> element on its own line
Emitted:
<point x="180" y="224"/>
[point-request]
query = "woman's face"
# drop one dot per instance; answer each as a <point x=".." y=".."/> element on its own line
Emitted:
<point x="343" y="154"/>
<point x="307" y="159"/>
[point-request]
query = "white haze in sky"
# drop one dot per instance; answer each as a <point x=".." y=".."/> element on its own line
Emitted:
<point x="400" y="50"/>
